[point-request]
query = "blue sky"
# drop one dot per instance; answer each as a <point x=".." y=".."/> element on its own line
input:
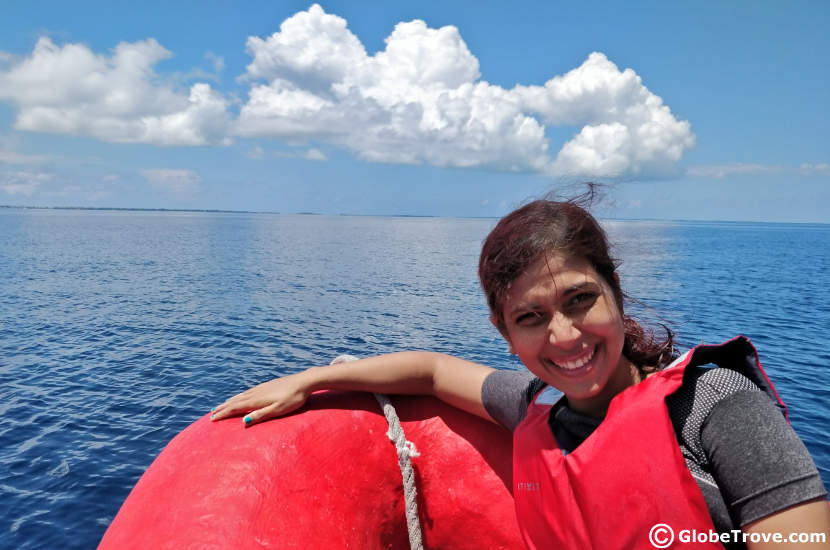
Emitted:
<point x="708" y="111"/>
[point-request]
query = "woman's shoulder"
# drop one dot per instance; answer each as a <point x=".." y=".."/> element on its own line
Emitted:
<point x="506" y="395"/>
<point x="711" y="384"/>
<point x="703" y="388"/>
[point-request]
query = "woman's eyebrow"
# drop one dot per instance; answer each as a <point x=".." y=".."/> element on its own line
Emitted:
<point x="524" y="306"/>
<point x="577" y="286"/>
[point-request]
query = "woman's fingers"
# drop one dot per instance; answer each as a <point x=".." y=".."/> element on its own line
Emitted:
<point x="263" y="402"/>
<point x="240" y="403"/>
<point x="230" y="408"/>
<point x="267" y="400"/>
<point x="234" y="405"/>
<point x="281" y="407"/>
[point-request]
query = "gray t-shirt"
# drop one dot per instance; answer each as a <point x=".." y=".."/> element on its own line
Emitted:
<point x="744" y="456"/>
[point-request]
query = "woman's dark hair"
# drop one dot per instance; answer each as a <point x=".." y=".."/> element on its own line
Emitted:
<point x="565" y="227"/>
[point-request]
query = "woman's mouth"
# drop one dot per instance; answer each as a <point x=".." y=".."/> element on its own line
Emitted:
<point x="576" y="364"/>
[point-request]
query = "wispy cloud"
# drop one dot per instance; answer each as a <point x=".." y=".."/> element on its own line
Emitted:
<point x="821" y="169"/>
<point x="23" y="183"/>
<point x="217" y="60"/>
<point x="12" y="157"/>
<point x="177" y="181"/>
<point x="719" y="171"/>
<point x="315" y="154"/>
<point x="307" y="154"/>
<point x="256" y="153"/>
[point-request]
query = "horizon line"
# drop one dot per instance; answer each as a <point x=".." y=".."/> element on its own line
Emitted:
<point x="309" y="213"/>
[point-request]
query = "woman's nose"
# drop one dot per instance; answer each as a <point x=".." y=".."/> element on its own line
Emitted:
<point x="563" y="332"/>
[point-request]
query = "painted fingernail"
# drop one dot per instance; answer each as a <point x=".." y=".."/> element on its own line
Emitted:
<point x="247" y="419"/>
<point x="213" y="409"/>
<point x="212" y="416"/>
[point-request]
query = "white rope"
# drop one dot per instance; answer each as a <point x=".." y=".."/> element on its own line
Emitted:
<point x="406" y="450"/>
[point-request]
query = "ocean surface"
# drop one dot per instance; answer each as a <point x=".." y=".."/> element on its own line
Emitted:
<point x="120" y="328"/>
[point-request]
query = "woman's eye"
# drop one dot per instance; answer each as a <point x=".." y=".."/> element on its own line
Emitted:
<point x="528" y="318"/>
<point x="583" y="299"/>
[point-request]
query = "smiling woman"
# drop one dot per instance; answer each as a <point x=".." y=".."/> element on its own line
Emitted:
<point x="640" y="437"/>
<point x="564" y="324"/>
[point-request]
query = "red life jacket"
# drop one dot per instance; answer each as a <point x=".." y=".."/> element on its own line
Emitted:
<point x="626" y="477"/>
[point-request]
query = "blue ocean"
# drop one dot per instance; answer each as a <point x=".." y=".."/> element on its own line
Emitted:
<point x="120" y="328"/>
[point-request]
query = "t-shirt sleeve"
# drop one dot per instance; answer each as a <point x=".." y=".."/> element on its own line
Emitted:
<point x="504" y="395"/>
<point x="757" y="460"/>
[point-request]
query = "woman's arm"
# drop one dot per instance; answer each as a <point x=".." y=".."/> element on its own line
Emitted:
<point x="766" y="476"/>
<point x="453" y="380"/>
<point x="807" y="518"/>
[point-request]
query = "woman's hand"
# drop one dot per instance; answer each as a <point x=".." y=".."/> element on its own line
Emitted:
<point x="271" y="399"/>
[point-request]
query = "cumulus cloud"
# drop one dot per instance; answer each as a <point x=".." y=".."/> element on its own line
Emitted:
<point x="626" y="129"/>
<point x="421" y="100"/>
<point x="71" y="90"/>
<point x="177" y="181"/>
<point x="23" y="183"/>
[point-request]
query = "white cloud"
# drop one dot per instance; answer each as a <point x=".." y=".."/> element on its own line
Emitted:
<point x="308" y="154"/>
<point x="177" y="181"/>
<point x="626" y="129"/>
<point x="257" y="153"/>
<point x="12" y="157"/>
<point x="311" y="47"/>
<point x="217" y="60"/>
<point x="95" y="196"/>
<point x="23" y="183"/>
<point x="421" y="100"/>
<point x="315" y="154"/>
<point x="71" y="90"/>
<point x="820" y="169"/>
<point x="719" y="171"/>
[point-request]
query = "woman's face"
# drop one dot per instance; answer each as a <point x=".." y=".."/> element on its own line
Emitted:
<point x="563" y="322"/>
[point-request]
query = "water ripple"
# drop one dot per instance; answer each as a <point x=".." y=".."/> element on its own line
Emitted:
<point x="118" y="329"/>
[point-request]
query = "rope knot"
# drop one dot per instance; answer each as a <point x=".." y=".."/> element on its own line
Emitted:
<point x="408" y="450"/>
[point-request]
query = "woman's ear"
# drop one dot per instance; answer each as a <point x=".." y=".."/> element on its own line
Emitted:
<point x="495" y="323"/>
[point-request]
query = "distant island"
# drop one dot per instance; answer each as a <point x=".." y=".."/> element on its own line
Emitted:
<point x="115" y="208"/>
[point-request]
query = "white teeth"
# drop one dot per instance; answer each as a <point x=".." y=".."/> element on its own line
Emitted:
<point x="574" y="364"/>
